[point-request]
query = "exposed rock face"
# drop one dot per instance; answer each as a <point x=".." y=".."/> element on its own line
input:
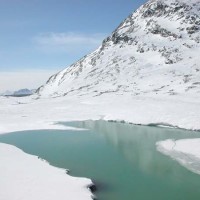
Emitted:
<point x="154" y="51"/>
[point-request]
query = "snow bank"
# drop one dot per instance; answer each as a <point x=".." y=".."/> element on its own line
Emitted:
<point x="18" y="114"/>
<point x="186" y="152"/>
<point x="25" y="177"/>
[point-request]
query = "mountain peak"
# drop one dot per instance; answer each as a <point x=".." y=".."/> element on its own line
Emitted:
<point x="153" y="51"/>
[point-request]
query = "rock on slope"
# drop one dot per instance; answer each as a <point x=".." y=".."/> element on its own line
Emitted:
<point x="155" y="51"/>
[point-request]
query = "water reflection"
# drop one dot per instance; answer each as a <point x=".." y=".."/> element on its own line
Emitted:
<point x="137" y="144"/>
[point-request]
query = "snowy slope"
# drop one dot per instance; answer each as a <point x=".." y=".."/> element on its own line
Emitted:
<point x="155" y="51"/>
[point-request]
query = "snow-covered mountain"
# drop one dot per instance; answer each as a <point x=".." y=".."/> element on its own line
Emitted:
<point x="155" y="51"/>
<point x="21" y="92"/>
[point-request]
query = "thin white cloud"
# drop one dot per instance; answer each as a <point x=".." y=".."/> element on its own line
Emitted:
<point x="69" y="42"/>
<point x="31" y="79"/>
<point x="69" y="38"/>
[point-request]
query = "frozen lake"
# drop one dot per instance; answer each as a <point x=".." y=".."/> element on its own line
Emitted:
<point x="121" y="159"/>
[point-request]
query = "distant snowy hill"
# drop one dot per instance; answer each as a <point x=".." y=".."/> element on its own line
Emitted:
<point x="155" y="51"/>
<point x="6" y="93"/>
<point x="21" y="92"/>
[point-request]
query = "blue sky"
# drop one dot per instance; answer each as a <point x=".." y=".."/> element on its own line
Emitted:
<point x="51" y="34"/>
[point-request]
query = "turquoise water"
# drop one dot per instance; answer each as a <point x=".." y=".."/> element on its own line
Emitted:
<point x="121" y="159"/>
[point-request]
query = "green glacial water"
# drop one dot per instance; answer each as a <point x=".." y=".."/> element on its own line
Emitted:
<point x="121" y="159"/>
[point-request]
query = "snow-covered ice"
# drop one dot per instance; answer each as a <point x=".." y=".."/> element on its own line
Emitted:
<point x="25" y="177"/>
<point x="185" y="151"/>
<point x="17" y="114"/>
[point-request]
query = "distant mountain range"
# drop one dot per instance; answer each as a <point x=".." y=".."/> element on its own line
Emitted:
<point x="18" y="93"/>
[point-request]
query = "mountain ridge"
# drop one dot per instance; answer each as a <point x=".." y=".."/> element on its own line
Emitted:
<point x="20" y="92"/>
<point x="153" y="51"/>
